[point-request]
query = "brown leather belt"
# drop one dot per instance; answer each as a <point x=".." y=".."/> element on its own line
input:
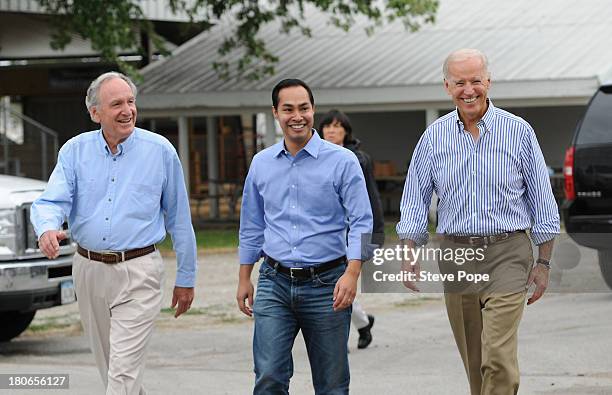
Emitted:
<point x="482" y="240"/>
<point x="112" y="257"/>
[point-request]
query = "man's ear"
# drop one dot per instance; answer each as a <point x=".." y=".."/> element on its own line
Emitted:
<point x="93" y="114"/>
<point x="274" y="112"/>
<point x="447" y="87"/>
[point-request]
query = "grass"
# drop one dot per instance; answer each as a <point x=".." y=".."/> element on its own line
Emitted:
<point x="227" y="237"/>
<point x="209" y="239"/>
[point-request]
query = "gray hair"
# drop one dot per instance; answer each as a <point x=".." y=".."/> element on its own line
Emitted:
<point x="93" y="91"/>
<point x="464" y="54"/>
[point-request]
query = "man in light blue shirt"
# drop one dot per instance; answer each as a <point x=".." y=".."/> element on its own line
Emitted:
<point x="121" y="189"/>
<point x="489" y="173"/>
<point x="300" y="197"/>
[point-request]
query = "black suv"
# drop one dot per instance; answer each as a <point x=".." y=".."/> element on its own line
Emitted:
<point x="587" y="209"/>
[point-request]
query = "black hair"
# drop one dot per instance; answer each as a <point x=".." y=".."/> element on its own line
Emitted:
<point x="342" y="119"/>
<point x="288" y="83"/>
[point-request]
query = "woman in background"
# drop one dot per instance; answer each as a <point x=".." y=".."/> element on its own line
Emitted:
<point x="335" y="127"/>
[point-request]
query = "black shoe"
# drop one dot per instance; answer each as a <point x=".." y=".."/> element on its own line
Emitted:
<point x="365" y="336"/>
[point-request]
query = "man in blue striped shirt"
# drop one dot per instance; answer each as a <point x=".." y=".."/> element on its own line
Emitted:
<point x="300" y="196"/>
<point x="487" y="168"/>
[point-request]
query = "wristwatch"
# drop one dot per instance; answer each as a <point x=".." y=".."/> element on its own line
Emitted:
<point x="544" y="262"/>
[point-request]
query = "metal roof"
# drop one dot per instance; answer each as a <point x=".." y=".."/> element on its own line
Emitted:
<point x="544" y="52"/>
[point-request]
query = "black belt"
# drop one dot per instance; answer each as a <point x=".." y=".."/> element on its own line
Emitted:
<point x="112" y="257"/>
<point x="305" y="273"/>
<point x="482" y="240"/>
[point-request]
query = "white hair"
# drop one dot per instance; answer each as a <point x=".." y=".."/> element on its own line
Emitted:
<point x="465" y="53"/>
<point x="92" y="98"/>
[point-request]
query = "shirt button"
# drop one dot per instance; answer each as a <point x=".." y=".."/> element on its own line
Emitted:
<point x="114" y="159"/>
<point x="293" y="165"/>
<point x="112" y="180"/>
<point x="294" y="227"/>
<point x="104" y="239"/>
<point x="293" y="186"/>
<point x="292" y="206"/>
<point x="294" y="248"/>
<point x="106" y="218"/>
<point x="109" y="199"/>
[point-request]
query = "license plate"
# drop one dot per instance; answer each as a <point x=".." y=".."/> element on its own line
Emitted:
<point x="67" y="292"/>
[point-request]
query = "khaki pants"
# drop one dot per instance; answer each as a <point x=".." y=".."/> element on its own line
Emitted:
<point x="485" y="324"/>
<point x="118" y="304"/>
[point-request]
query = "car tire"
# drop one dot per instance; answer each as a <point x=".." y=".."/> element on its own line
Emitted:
<point x="13" y="323"/>
<point x="605" y="264"/>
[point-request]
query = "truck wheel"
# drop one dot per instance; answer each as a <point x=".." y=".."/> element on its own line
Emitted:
<point x="605" y="264"/>
<point x="13" y="323"/>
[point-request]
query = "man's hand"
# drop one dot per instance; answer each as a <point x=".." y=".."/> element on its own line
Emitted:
<point x="49" y="243"/>
<point x="245" y="290"/>
<point x="346" y="287"/>
<point x="182" y="297"/>
<point x="410" y="266"/>
<point x="413" y="269"/>
<point x="538" y="276"/>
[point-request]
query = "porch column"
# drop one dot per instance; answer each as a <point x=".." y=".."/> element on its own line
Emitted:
<point x="270" y="137"/>
<point x="183" y="148"/>
<point x="212" y="151"/>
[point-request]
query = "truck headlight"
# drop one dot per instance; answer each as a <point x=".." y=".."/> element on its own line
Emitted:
<point x="7" y="233"/>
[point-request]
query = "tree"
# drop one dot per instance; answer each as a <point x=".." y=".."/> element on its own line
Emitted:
<point x="115" y="25"/>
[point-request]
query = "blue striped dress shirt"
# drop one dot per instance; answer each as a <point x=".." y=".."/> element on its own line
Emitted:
<point x="297" y="209"/>
<point x="120" y="201"/>
<point x="498" y="183"/>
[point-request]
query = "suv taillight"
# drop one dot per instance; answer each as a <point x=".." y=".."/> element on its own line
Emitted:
<point x="568" y="173"/>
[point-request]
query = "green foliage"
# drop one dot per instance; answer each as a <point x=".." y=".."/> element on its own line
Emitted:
<point x="115" y="25"/>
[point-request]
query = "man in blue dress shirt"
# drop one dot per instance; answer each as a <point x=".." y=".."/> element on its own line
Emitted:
<point x="489" y="173"/>
<point x="301" y="196"/>
<point x="121" y="188"/>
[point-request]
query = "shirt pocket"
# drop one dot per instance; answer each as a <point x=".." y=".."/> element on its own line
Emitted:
<point x="145" y="201"/>
<point x="85" y="198"/>
<point x="319" y="199"/>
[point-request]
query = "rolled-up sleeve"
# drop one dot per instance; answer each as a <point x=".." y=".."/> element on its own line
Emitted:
<point x="417" y="193"/>
<point x="252" y="223"/>
<point x="540" y="198"/>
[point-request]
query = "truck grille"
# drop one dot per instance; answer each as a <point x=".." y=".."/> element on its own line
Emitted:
<point x="29" y="239"/>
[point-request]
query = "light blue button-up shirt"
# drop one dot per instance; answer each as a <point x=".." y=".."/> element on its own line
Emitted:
<point x="496" y="184"/>
<point x="297" y="209"/>
<point x="123" y="201"/>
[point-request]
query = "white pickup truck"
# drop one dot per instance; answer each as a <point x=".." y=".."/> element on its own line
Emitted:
<point x="28" y="280"/>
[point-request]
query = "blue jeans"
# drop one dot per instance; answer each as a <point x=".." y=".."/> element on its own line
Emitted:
<point x="283" y="306"/>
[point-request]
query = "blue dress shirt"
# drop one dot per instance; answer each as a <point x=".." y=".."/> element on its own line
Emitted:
<point x="297" y="209"/>
<point x="120" y="202"/>
<point x="494" y="185"/>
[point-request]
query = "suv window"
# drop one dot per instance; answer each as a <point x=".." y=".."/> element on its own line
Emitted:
<point x="596" y="126"/>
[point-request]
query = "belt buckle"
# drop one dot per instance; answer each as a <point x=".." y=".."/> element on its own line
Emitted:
<point x="119" y="256"/>
<point x="291" y="269"/>
<point x="473" y="239"/>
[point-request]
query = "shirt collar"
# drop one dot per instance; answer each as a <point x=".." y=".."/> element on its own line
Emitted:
<point x="487" y="120"/>
<point x="312" y="147"/>
<point x="122" y="147"/>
